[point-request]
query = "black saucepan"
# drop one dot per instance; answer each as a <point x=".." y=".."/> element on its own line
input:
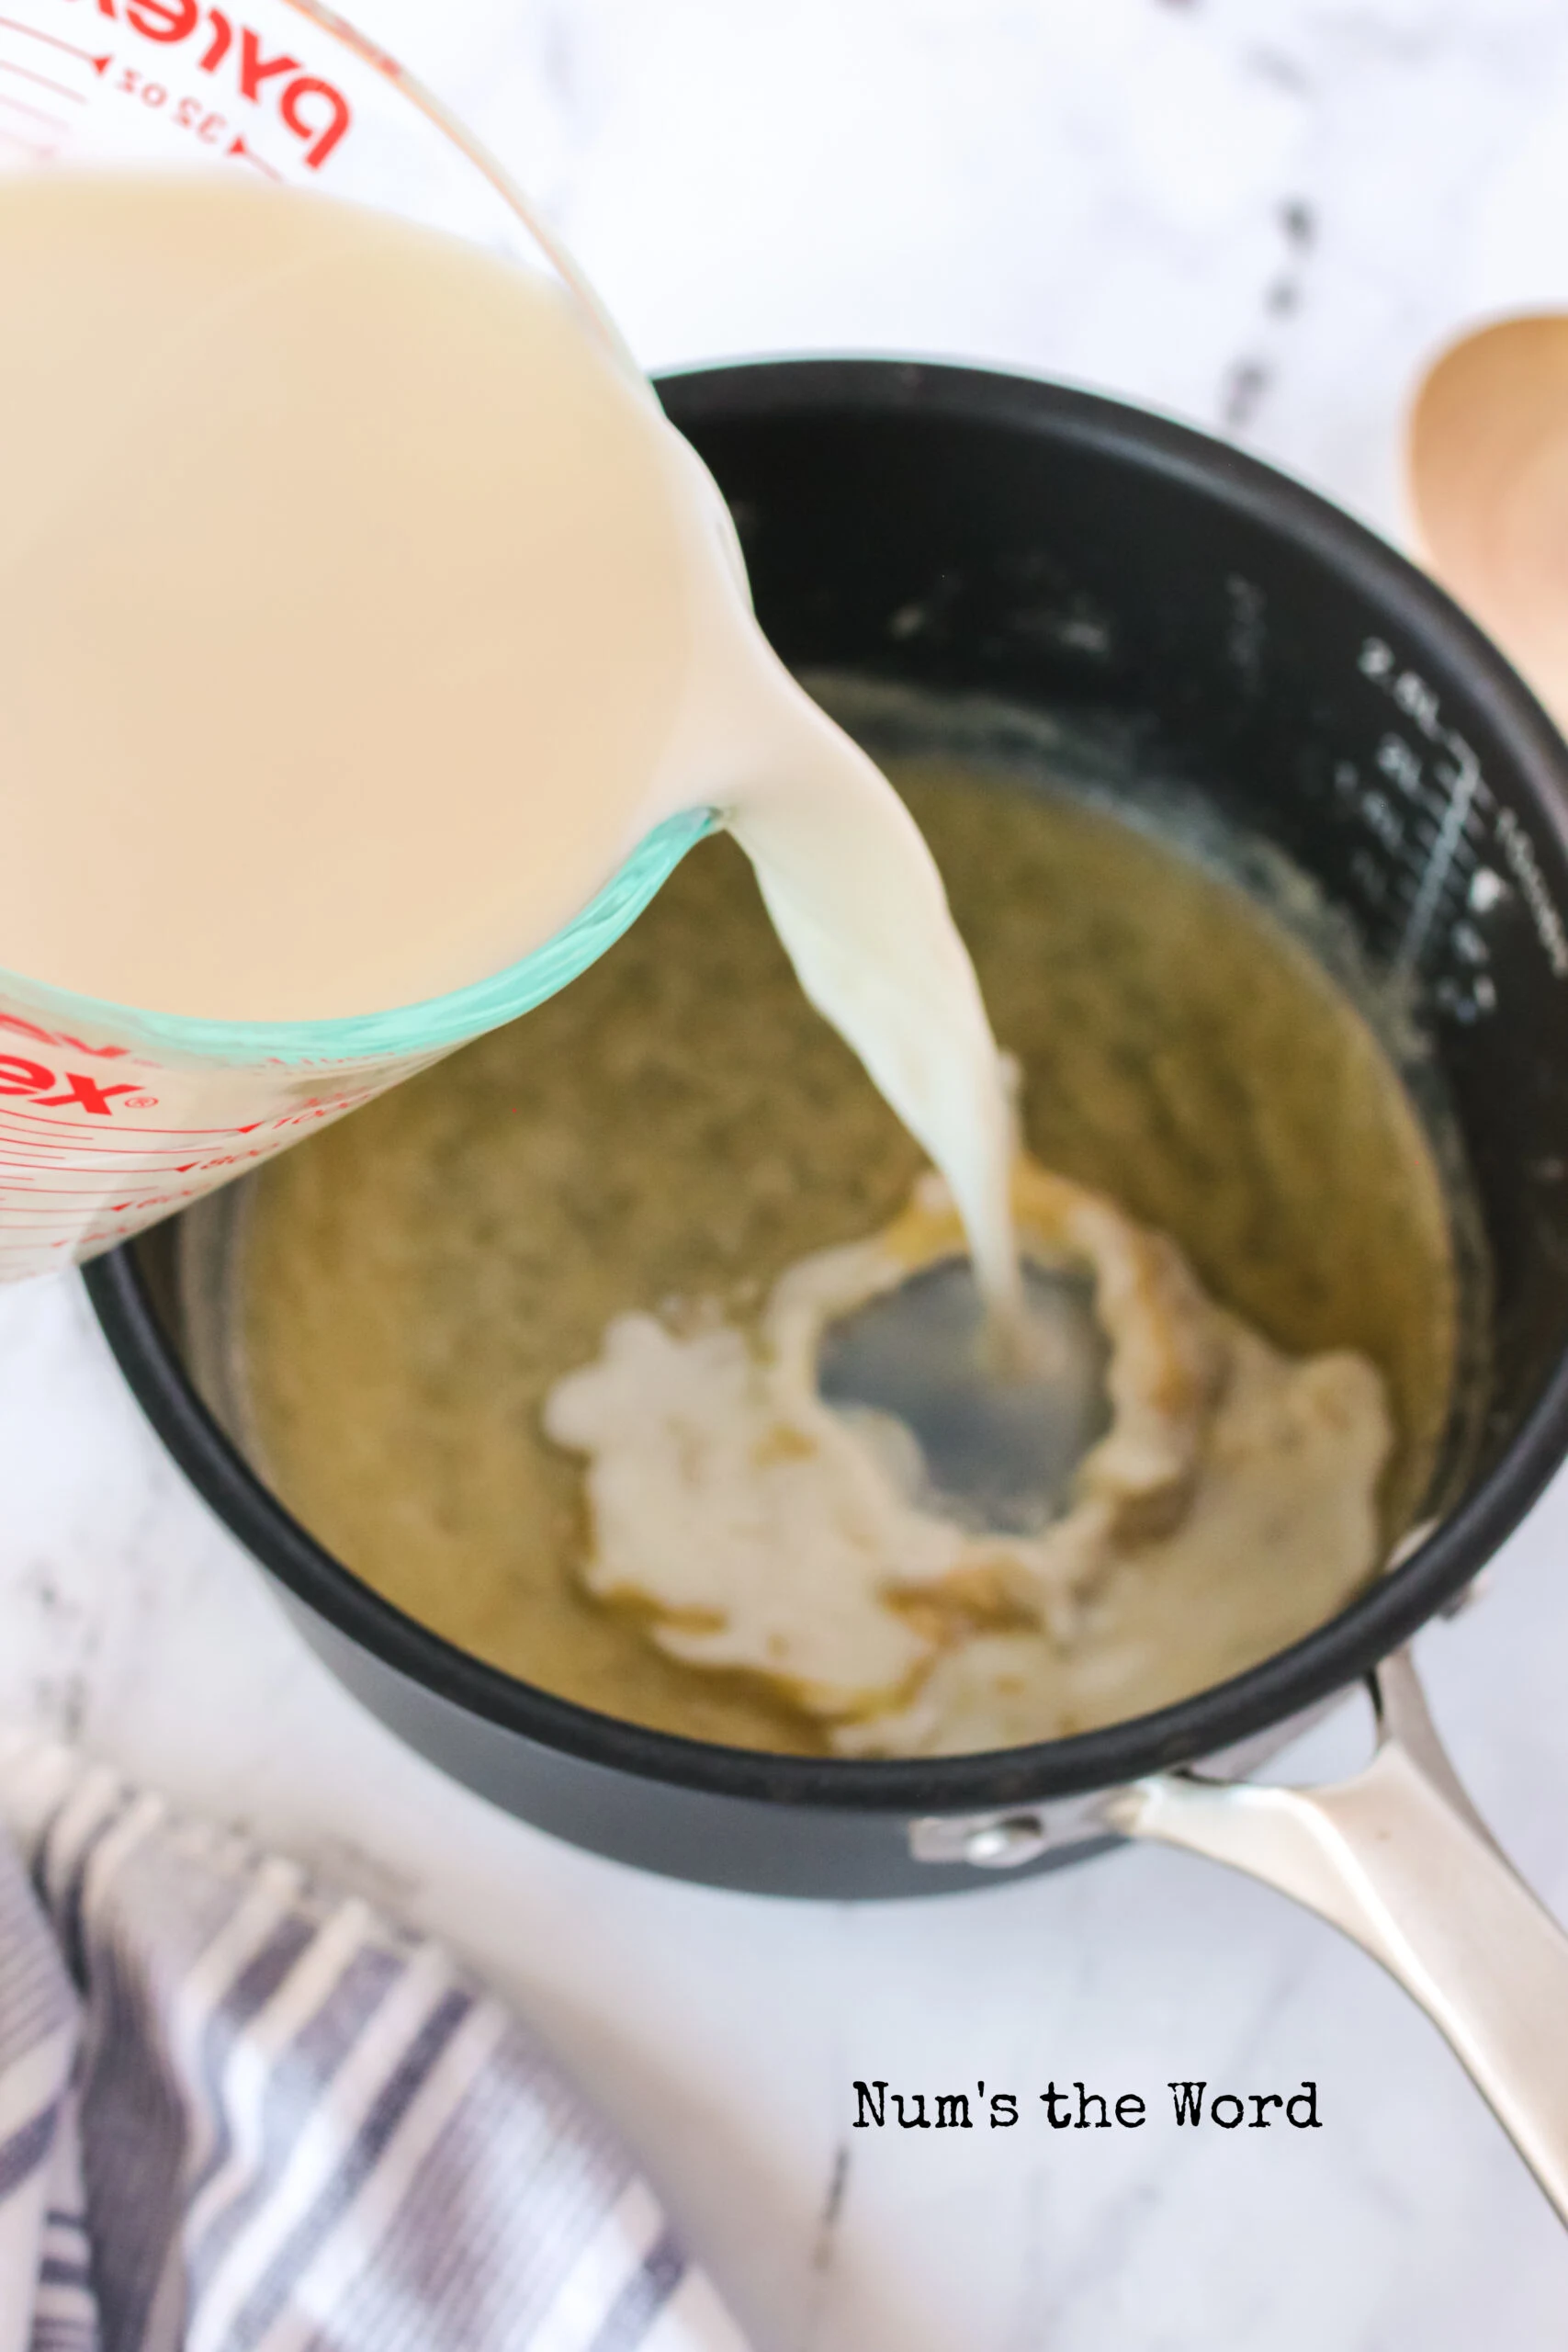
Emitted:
<point x="969" y="530"/>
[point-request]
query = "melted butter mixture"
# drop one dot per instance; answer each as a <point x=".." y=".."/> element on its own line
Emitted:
<point x="679" y="1127"/>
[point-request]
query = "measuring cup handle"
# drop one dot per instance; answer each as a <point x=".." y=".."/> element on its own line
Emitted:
<point x="1398" y="1858"/>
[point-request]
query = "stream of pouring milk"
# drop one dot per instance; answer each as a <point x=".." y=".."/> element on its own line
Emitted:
<point x="360" y="613"/>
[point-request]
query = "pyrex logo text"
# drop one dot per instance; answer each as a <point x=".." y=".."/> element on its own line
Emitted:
<point x="35" y="1081"/>
<point x="315" y="111"/>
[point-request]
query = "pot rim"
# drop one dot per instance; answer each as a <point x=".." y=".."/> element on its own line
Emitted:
<point x="1327" y="1659"/>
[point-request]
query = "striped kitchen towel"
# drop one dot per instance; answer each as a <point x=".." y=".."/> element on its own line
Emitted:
<point x="239" y="2113"/>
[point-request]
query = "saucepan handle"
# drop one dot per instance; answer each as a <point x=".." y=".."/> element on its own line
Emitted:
<point x="1400" y="1860"/>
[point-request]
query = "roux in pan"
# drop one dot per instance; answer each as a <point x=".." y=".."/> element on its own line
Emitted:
<point x="680" y="1125"/>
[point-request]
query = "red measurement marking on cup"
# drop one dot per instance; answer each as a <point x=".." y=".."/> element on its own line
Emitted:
<point x="34" y="114"/>
<point x="64" y="1041"/>
<point x="152" y="1154"/>
<point x="51" y="40"/>
<point x="81" y="1164"/>
<point x="42" y="81"/>
<point x="57" y="1190"/>
<point x="248" y="155"/>
<point x="44" y="1138"/>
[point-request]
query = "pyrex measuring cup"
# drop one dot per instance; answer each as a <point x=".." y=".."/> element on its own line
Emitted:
<point x="111" y="1116"/>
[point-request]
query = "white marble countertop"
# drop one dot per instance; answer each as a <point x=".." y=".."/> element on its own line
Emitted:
<point x="1259" y="214"/>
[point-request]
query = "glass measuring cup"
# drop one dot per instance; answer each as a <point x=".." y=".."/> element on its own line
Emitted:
<point x="109" y="1116"/>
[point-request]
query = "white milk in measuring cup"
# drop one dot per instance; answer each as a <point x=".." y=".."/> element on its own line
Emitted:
<point x="370" y="647"/>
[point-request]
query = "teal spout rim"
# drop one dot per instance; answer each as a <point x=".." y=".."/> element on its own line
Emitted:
<point x="426" y="1027"/>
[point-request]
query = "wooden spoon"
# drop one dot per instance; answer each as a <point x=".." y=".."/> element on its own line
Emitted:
<point x="1487" y="456"/>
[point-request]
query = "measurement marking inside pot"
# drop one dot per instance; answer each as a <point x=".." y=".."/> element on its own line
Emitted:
<point x="1445" y="849"/>
<point x="1442" y="826"/>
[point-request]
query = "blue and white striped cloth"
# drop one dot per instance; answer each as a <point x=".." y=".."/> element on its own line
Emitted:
<point x="239" y="2113"/>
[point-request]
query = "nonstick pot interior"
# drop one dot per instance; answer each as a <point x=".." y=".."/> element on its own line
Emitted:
<point x="964" y="530"/>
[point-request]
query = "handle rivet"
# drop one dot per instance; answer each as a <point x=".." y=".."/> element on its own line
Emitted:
<point x="1000" y="1845"/>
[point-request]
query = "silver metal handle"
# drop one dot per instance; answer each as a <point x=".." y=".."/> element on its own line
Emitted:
<point x="1400" y="1860"/>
